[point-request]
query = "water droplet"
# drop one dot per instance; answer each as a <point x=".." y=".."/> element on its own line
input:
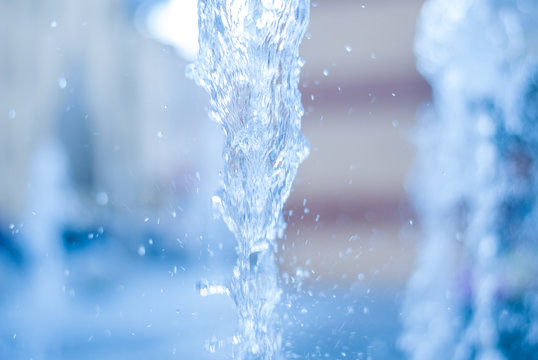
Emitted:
<point x="12" y="113"/>
<point x="141" y="250"/>
<point x="393" y="94"/>
<point x="101" y="198"/>
<point x="348" y="48"/>
<point x="160" y="134"/>
<point x="360" y="276"/>
<point x="146" y="219"/>
<point x="373" y="56"/>
<point x="410" y="221"/>
<point x="62" y="82"/>
<point x="365" y="310"/>
<point x="326" y="72"/>
<point x="206" y="289"/>
<point x="363" y="6"/>
<point x="53" y="23"/>
<point x="395" y="123"/>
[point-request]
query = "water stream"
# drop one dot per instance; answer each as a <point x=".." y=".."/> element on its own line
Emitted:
<point x="248" y="62"/>
<point x="472" y="295"/>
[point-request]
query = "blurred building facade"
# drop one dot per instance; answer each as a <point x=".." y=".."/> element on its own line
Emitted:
<point x="134" y="129"/>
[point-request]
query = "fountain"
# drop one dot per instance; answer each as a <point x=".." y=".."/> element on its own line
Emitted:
<point x="473" y="294"/>
<point x="248" y="62"/>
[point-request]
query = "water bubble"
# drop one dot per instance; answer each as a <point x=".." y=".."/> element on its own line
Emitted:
<point x="393" y="94"/>
<point x="365" y="310"/>
<point x="53" y="23"/>
<point x="373" y="56"/>
<point x="325" y="72"/>
<point x="12" y="113"/>
<point x="348" y="48"/>
<point x="395" y="123"/>
<point x="160" y="134"/>
<point x="360" y="276"/>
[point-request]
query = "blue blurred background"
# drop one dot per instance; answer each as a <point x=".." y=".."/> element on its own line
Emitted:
<point x="108" y="161"/>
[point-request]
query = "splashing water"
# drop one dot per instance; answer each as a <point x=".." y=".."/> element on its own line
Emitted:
<point x="248" y="62"/>
<point x="473" y="294"/>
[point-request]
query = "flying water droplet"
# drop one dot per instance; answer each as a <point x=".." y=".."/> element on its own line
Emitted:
<point x="205" y="288"/>
<point x="62" y="82"/>
<point x="141" y="250"/>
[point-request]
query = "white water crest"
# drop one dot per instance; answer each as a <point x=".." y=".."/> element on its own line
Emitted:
<point x="248" y="62"/>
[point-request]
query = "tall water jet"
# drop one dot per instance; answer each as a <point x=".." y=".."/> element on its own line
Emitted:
<point x="474" y="294"/>
<point x="248" y="62"/>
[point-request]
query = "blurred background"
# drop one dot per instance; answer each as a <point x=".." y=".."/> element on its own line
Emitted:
<point x="108" y="161"/>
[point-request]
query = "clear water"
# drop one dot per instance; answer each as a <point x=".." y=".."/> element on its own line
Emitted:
<point x="248" y="62"/>
<point x="474" y="294"/>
